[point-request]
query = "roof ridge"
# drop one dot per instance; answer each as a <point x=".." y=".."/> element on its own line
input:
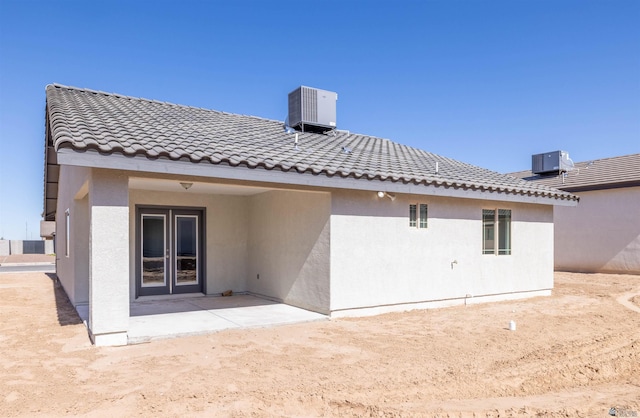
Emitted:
<point x="608" y="158"/>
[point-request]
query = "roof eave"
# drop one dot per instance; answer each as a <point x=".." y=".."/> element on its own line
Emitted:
<point x="94" y="159"/>
<point x="602" y="186"/>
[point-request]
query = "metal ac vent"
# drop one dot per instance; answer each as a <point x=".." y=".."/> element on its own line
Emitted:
<point x="554" y="162"/>
<point x="312" y="110"/>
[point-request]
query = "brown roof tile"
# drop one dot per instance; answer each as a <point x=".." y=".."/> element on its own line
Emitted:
<point x="605" y="173"/>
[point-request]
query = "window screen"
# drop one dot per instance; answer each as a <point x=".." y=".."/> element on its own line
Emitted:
<point x="504" y="231"/>
<point x="496" y="223"/>
<point x="423" y="216"/>
<point x="412" y="216"/>
<point x="488" y="231"/>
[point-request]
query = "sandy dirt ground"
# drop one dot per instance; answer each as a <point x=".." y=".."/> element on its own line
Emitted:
<point x="574" y="354"/>
<point x="27" y="258"/>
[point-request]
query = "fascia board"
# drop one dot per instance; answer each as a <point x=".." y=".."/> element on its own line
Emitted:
<point x="187" y="168"/>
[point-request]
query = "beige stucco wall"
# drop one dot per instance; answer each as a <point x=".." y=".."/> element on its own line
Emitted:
<point x="289" y="248"/>
<point x="283" y="236"/>
<point x="95" y="271"/>
<point x="601" y="234"/>
<point x="73" y="270"/>
<point x="226" y="234"/>
<point x="327" y="251"/>
<point x="377" y="259"/>
<point x="108" y="257"/>
<point x="80" y="236"/>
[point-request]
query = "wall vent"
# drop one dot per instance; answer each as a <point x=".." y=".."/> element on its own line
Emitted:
<point x="554" y="162"/>
<point x="312" y="110"/>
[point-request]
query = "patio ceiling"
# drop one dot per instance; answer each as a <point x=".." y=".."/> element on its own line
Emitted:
<point x="164" y="185"/>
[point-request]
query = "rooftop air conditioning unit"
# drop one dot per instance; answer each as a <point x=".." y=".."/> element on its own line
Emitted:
<point x="555" y="162"/>
<point x="312" y="110"/>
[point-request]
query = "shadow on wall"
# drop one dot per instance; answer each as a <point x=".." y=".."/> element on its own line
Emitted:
<point x="67" y="315"/>
<point x="369" y="204"/>
<point x="289" y="248"/>
<point x="626" y="258"/>
<point x="601" y="235"/>
<point x="607" y="259"/>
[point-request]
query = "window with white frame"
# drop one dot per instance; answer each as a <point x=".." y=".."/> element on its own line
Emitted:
<point x="418" y="215"/>
<point x="67" y="233"/>
<point x="496" y="231"/>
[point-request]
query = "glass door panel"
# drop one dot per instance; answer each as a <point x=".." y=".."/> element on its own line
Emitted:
<point x="186" y="260"/>
<point x="169" y="246"/>
<point x="153" y="251"/>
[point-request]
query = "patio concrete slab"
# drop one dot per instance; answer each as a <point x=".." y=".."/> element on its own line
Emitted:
<point x="158" y="307"/>
<point x="152" y="327"/>
<point x="169" y="318"/>
<point x="235" y="301"/>
<point x="273" y="314"/>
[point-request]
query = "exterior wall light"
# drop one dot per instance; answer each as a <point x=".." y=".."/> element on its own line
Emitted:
<point x="186" y="186"/>
<point x="383" y="194"/>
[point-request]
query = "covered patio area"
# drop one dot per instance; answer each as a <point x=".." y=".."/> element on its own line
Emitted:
<point x="195" y="315"/>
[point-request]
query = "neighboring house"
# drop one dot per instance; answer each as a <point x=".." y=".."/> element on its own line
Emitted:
<point x="602" y="234"/>
<point x="160" y="199"/>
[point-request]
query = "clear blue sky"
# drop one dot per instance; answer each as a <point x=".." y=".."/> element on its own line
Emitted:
<point x="485" y="82"/>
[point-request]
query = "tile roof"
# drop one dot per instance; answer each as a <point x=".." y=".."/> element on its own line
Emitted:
<point x="605" y="173"/>
<point x="83" y="119"/>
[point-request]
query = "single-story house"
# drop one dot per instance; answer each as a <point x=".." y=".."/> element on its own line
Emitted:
<point x="602" y="234"/>
<point x="156" y="199"/>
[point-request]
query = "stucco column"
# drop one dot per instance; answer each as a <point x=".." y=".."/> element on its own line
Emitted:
<point x="109" y="257"/>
